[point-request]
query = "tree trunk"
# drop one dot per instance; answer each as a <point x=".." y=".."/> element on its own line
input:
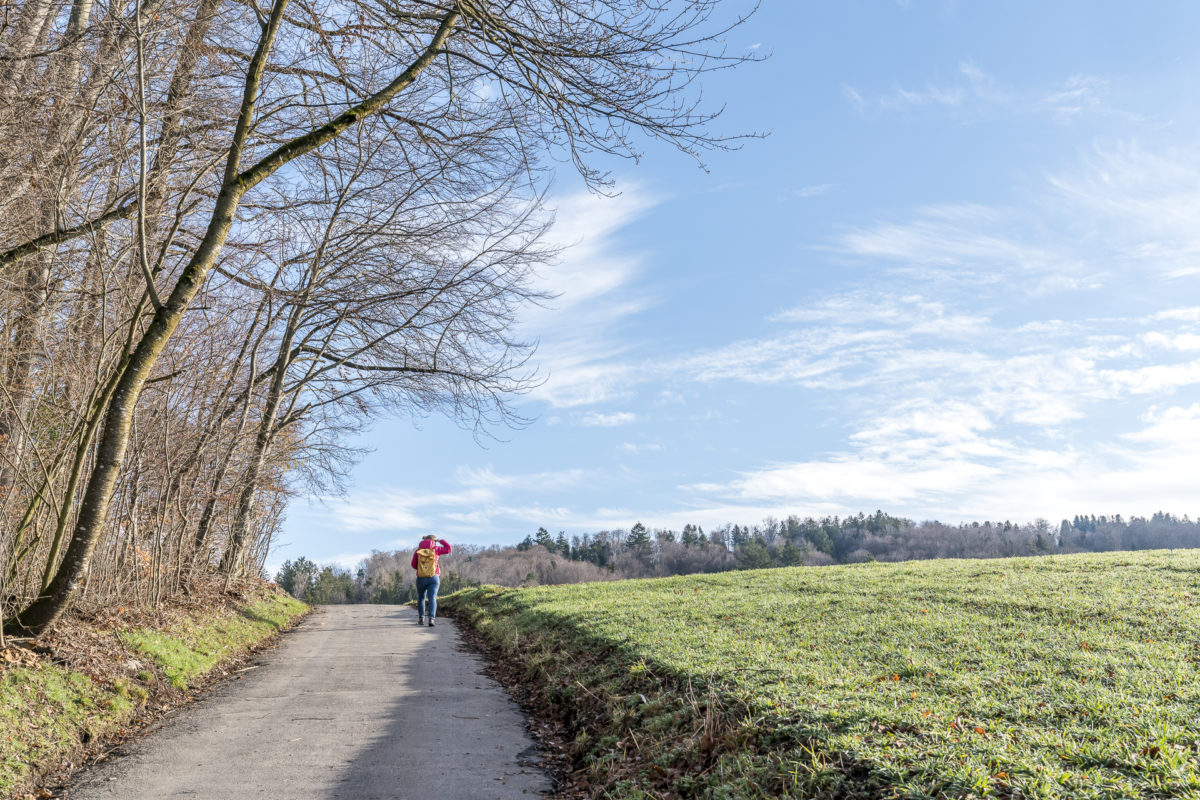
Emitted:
<point x="19" y="382"/>
<point x="110" y="452"/>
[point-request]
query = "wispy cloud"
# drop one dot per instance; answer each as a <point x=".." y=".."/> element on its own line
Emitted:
<point x="1039" y="374"/>
<point x="392" y="510"/>
<point x="815" y="190"/>
<point x="967" y="241"/>
<point x="970" y="91"/>
<point x="358" y="513"/>
<point x="594" y="282"/>
<point x="1078" y="95"/>
<point x="1121" y="215"/>
<point x="854" y="98"/>
<point x="966" y="415"/>
<point x="1122" y="209"/>
<point x="964" y="474"/>
<point x="595" y="419"/>
<point x="982" y="85"/>
<point x="487" y="478"/>
<point x="913" y="311"/>
<point x="483" y="498"/>
<point x="969" y="85"/>
<point x="1136" y="206"/>
<point x="953" y="399"/>
<point x="929" y="96"/>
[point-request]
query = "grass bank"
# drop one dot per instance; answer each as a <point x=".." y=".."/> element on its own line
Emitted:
<point x="1053" y="677"/>
<point x="93" y="680"/>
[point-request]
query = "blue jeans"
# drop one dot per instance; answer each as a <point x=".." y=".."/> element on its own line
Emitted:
<point x="427" y="588"/>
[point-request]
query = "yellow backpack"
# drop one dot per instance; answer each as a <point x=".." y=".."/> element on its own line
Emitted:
<point x="427" y="560"/>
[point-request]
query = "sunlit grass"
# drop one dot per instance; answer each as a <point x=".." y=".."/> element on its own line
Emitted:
<point x="1070" y="676"/>
<point x="44" y="710"/>
<point x="193" y="647"/>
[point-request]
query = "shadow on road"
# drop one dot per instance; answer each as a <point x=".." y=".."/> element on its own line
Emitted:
<point x="452" y="732"/>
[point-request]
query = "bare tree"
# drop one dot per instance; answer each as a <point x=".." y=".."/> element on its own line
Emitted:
<point x="478" y="92"/>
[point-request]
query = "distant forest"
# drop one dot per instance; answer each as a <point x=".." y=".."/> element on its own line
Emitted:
<point x="542" y="558"/>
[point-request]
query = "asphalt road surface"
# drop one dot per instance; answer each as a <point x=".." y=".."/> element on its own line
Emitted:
<point x="357" y="702"/>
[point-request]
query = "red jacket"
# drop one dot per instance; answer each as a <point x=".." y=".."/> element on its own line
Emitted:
<point x="443" y="548"/>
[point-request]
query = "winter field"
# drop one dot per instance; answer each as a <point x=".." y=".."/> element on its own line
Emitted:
<point x="1054" y="677"/>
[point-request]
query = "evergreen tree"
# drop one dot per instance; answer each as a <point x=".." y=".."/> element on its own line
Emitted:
<point x="754" y="555"/>
<point x="297" y="577"/>
<point x="819" y="538"/>
<point x="639" y="538"/>
<point x="601" y="551"/>
<point x="740" y="536"/>
<point x="790" y="555"/>
<point x="688" y="537"/>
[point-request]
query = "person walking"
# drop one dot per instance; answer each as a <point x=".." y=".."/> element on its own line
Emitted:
<point x="429" y="575"/>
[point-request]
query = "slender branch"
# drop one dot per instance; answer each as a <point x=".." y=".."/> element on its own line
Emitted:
<point x="15" y="254"/>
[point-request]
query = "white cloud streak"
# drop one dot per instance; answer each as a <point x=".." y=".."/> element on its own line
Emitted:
<point x="973" y="93"/>
<point x="1078" y="95"/>
<point x="593" y="281"/>
<point x="962" y="474"/>
<point x="595" y="419"/>
<point x="959" y="410"/>
<point x="815" y="190"/>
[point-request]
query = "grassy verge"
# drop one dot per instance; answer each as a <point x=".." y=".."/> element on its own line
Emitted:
<point x="191" y="647"/>
<point x="50" y="712"/>
<point x="46" y="712"/>
<point x="1059" y="677"/>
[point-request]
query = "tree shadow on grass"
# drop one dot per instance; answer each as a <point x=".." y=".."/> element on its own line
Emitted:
<point x="253" y="617"/>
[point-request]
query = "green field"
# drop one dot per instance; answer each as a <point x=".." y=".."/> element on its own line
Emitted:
<point x="1065" y="677"/>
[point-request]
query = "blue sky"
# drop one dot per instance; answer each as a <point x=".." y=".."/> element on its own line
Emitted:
<point x="959" y="281"/>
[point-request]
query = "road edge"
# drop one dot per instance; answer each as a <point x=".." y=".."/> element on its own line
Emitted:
<point x="74" y="695"/>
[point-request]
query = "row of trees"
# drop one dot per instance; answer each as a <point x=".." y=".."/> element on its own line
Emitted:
<point x="235" y="231"/>
<point x="389" y="577"/>
<point x="640" y="552"/>
<point x="795" y="541"/>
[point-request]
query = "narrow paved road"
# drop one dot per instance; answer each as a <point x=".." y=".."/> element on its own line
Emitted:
<point x="358" y="702"/>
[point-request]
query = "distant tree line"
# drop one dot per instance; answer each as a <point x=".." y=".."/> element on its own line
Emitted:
<point x="640" y="552"/>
